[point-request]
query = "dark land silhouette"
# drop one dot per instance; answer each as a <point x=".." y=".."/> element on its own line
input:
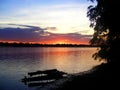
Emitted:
<point x="103" y="77"/>
<point x="6" y="44"/>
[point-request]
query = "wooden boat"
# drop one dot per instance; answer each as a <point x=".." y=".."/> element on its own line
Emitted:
<point x="43" y="77"/>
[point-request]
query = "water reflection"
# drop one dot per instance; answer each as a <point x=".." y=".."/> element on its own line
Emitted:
<point x="16" y="62"/>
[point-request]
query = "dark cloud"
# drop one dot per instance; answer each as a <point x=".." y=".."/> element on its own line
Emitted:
<point x="51" y="28"/>
<point x="21" y="34"/>
<point x="29" y="26"/>
<point x="36" y="34"/>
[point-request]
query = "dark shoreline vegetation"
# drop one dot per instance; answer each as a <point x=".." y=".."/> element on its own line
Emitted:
<point x="6" y="44"/>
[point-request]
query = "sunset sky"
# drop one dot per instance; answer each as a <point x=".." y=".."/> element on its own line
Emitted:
<point x="45" y="21"/>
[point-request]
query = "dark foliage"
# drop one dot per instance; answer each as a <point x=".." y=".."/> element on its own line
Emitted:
<point x="104" y="19"/>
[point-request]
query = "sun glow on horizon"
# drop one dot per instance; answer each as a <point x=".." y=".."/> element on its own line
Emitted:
<point x="63" y="42"/>
<point x="55" y="39"/>
<point x="45" y="21"/>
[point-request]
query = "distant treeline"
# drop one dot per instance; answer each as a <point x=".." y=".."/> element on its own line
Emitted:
<point x="6" y="44"/>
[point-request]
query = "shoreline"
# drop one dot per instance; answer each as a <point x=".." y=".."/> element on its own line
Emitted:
<point x="43" y="45"/>
<point x="101" y="77"/>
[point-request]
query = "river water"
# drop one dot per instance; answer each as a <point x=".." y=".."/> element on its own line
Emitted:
<point x="16" y="62"/>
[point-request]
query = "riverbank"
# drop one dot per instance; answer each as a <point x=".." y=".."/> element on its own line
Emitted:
<point x="104" y="76"/>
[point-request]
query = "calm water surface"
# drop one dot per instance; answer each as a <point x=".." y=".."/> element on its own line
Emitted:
<point x="15" y="63"/>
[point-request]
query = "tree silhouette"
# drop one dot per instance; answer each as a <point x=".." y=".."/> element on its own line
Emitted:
<point x="104" y="19"/>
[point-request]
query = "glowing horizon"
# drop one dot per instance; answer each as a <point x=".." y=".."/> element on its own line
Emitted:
<point x="53" y="41"/>
<point x="45" y="21"/>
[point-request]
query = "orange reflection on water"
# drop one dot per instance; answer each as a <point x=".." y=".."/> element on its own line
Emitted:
<point x="70" y="60"/>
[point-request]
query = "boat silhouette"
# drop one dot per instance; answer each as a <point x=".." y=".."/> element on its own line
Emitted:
<point x="40" y="78"/>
